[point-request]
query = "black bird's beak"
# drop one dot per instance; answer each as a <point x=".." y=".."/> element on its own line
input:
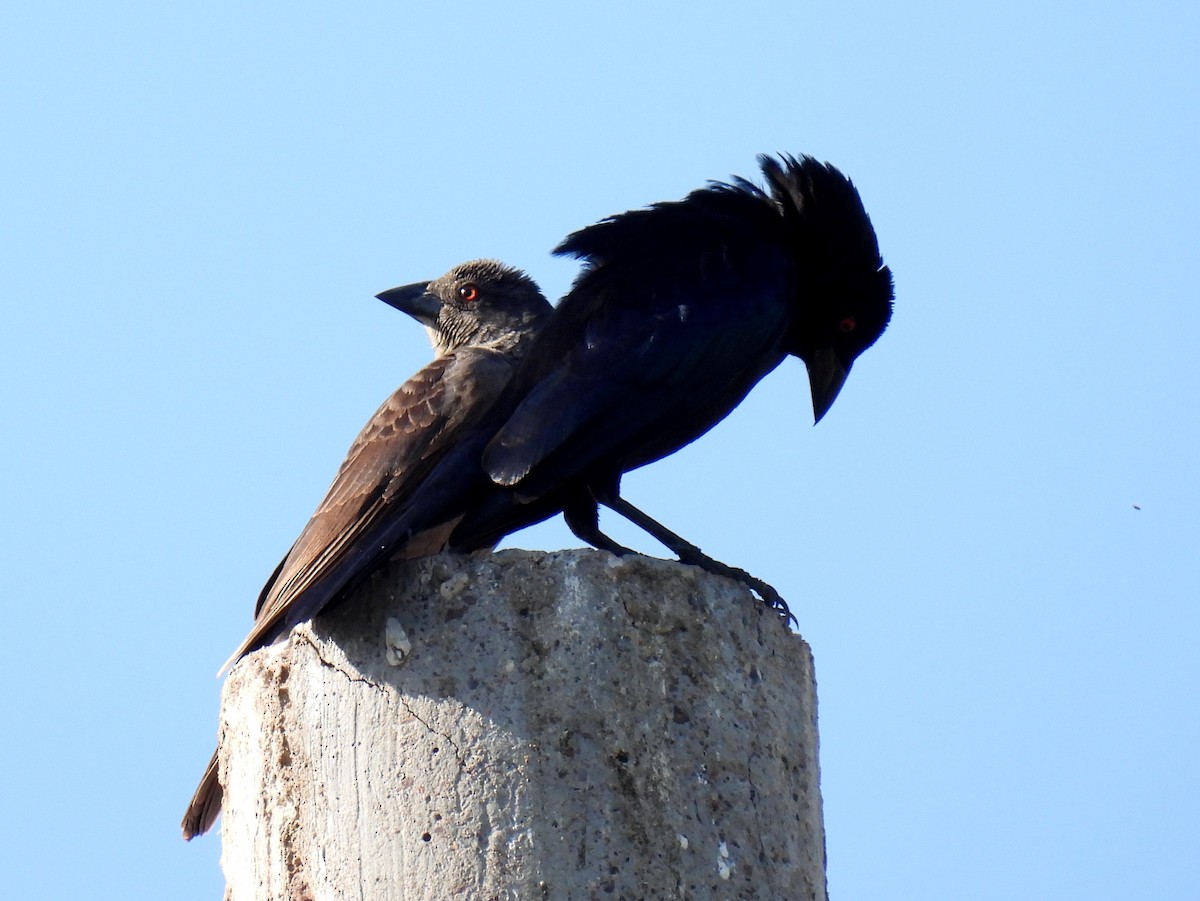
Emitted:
<point x="416" y="301"/>
<point x="826" y="375"/>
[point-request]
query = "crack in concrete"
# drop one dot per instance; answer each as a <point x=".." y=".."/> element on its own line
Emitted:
<point x="458" y="754"/>
<point x="350" y="675"/>
<point x="358" y="802"/>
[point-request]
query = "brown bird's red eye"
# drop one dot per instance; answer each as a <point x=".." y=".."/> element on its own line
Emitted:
<point x="468" y="292"/>
<point x="847" y="325"/>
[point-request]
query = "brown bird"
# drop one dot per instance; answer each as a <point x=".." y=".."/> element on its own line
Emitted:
<point x="480" y="316"/>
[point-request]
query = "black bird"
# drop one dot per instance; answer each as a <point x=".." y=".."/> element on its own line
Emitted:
<point x="681" y="309"/>
<point x="481" y="317"/>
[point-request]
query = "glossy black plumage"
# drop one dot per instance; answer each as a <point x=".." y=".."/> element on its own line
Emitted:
<point x="681" y="309"/>
<point x="481" y="316"/>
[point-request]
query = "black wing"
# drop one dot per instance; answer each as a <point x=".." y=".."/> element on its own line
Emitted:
<point x="682" y="309"/>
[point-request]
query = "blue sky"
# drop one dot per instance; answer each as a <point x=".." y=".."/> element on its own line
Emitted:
<point x="200" y="201"/>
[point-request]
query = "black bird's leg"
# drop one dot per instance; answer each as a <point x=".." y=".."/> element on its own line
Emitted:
<point x="582" y="517"/>
<point x="692" y="555"/>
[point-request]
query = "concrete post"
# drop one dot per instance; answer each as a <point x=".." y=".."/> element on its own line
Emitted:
<point x="525" y="725"/>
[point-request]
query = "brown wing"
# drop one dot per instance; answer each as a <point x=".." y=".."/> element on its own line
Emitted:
<point x="387" y="462"/>
<point x="206" y="803"/>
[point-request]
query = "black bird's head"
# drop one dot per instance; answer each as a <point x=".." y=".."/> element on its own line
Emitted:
<point x="480" y="303"/>
<point x="844" y="294"/>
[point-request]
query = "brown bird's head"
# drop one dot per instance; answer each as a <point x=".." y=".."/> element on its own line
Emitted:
<point x="480" y="303"/>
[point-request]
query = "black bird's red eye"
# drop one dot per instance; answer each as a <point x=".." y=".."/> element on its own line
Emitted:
<point x="847" y="325"/>
<point x="469" y="292"/>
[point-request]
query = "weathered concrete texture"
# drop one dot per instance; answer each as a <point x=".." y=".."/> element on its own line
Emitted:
<point x="555" y="726"/>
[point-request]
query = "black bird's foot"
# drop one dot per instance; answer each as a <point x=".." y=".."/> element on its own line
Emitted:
<point x="690" y="554"/>
<point x="766" y="592"/>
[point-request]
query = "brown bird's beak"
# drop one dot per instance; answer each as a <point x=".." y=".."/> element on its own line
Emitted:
<point x="414" y="300"/>
<point x="826" y="375"/>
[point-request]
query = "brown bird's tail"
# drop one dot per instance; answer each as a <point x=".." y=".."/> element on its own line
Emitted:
<point x="205" y="807"/>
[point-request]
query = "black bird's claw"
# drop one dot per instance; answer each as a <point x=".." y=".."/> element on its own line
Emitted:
<point x="688" y="553"/>
<point x="769" y="595"/>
